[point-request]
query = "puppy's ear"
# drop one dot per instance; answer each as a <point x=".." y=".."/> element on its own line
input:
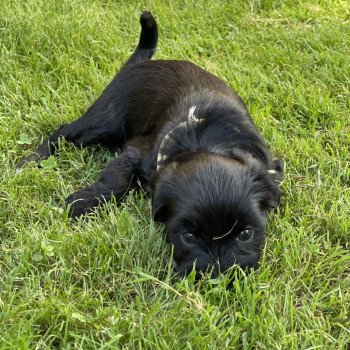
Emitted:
<point x="161" y="198"/>
<point x="271" y="200"/>
<point x="160" y="212"/>
<point x="276" y="171"/>
<point x="266" y="187"/>
<point x="278" y="165"/>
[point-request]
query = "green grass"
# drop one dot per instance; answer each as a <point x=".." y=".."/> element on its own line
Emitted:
<point x="102" y="283"/>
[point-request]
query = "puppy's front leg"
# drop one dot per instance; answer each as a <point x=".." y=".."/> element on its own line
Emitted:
<point x="116" y="180"/>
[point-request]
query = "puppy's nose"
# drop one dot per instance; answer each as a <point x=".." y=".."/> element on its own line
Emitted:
<point x="213" y="270"/>
<point x="200" y="273"/>
<point x="214" y="273"/>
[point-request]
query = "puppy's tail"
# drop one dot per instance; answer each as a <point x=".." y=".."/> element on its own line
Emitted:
<point x="148" y="40"/>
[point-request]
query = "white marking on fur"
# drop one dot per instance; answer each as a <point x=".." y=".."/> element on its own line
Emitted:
<point x="271" y="171"/>
<point x="174" y="165"/>
<point x="191" y="112"/>
<point x="159" y="159"/>
<point x="167" y="136"/>
<point x="226" y="234"/>
<point x="160" y="156"/>
<point x="191" y="118"/>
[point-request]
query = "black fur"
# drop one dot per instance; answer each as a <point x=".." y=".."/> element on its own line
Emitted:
<point x="214" y="181"/>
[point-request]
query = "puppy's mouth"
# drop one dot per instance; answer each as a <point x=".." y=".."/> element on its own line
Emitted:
<point x="174" y="264"/>
<point x="182" y="269"/>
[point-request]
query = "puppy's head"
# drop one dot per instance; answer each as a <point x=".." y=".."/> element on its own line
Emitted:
<point x="214" y="209"/>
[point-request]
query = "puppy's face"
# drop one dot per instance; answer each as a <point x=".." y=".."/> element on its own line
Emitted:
<point x="215" y="210"/>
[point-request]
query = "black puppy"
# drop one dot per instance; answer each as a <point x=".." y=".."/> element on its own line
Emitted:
<point x="187" y="137"/>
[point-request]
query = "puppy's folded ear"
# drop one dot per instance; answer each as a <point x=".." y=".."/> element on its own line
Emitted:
<point x="266" y="185"/>
<point x="278" y="165"/>
<point x="159" y="212"/>
<point x="161" y="197"/>
<point x="271" y="200"/>
<point x="279" y="168"/>
<point x="273" y="197"/>
<point x="276" y="169"/>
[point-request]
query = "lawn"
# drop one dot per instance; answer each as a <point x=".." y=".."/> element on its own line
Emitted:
<point x="104" y="282"/>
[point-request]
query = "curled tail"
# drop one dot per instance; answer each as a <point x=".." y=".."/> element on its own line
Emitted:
<point x="148" y="40"/>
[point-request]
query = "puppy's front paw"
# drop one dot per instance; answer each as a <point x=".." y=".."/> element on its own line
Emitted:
<point x="79" y="203"/>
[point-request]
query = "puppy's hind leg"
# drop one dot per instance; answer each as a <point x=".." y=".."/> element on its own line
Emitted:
<point x="102" y="123"/>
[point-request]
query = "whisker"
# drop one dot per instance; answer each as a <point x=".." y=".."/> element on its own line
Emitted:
<point x="226" y="234"/>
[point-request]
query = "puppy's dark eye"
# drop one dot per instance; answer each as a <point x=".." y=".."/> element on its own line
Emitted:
<point x="188" y="238"/>
<point x="245" y="235"/>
